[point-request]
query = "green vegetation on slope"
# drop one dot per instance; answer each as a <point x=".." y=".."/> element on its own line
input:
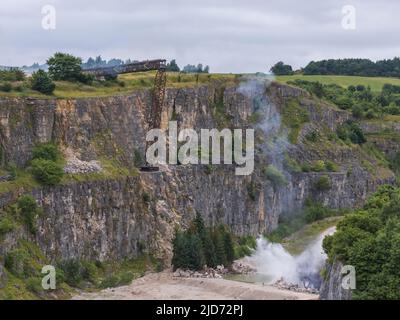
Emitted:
<point x="297" y="242"/>
<point x="293" y="117"/>
<point x="369" y="240"/>
<point x="361" y="100"/>
<point x="125" y="83"/>
<point x="23" y="266"/>
<point x="289" y="224"/>
<point x="23" y="212"/>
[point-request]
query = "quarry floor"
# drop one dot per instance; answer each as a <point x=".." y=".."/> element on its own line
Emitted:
<point x="163" y="286"/>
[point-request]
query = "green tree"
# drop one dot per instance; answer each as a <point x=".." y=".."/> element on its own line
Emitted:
<point x="275" y="176"/>
<point x="63" y="66"/>
<point x="218" y="239"/>
<point x="369" y="239"/>
<point x="12" y="74"/>
<point x="188" y="253"/>
<point x="5" y="86"/>
<point x="172" y="66"/>
<point x="199" y="245"/>
<point x="228" y="246"/>
<point x="323" y="183"/>
<point x="180" y="250"/>
<point x="48" y="151"/>
<point x="29" y="211"/>
<point x="46" y="172"/>
<point x="41" y="82"/>
<point x="195" y="253"/>
<point x="351" y="131"/>
<point x="281" y="69"/>
<point x="208" y="248"/>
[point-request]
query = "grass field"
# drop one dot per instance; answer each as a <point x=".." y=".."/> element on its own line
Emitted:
<point x="298" y="242"/>
<point x="126" y="83"/>
<point x="376" y="84"/>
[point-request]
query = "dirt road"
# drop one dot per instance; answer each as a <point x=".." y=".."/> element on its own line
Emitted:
<point x="163" y="286"/>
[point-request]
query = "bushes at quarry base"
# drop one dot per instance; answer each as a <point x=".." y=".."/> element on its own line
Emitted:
<point x="23" y="265"/>
<point x="199" y="246"/>
<point x="369" y="240"/>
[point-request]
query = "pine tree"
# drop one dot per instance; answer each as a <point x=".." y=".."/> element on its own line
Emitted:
<point x="219" y="247"/>
<point x="41" y="82"/>
<point x="195" y="254"/>
<point x="180" y="245"/>
<point x="173" y="66"/>
<point x="209" y="251"/>
<point x="228" y="245"/>
<point x="207" y="243"/>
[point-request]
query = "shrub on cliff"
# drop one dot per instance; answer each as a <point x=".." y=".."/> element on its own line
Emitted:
<point x="29" y="211"/>
<point x="5" y="87"/>
<point x="276" y="177"/>
<point x="13" y="74"/>
<point x="47" y="151"/>
<point x="314" y="211"/>
<point x="25" y="260"/>
<point x="46" y="172"/>
<point x="41" y="82"/>
<point x="331" y="166"/>
<point x="6" y="225"/>
<point x="322" y="184"/>
<point x="351" y="131"/>
<point x="318" y="166"/>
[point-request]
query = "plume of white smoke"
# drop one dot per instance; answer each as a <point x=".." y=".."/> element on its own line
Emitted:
<point x="276" y="142"/>
<point x="274" y="263"/>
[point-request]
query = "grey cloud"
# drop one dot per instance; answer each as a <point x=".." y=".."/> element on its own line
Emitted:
<point x="230" y="36"/>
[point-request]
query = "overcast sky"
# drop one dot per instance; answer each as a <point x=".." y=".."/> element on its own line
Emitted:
<point x="230" y="36"/>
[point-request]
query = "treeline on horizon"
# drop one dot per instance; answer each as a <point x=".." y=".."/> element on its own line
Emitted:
<point x="344" y="67"/>
<point x="99" y="62"/>
<point x="172" y="66"/>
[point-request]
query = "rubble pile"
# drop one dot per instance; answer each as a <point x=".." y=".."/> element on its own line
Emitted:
<point x="78" y="166"/>
<point x="207" y="272"/>
<point x="281" y="284"/>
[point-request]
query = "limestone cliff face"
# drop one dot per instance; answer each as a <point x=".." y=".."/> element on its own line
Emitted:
<point x="331" y="288"/>
<point x="385" y="135"/>
<point x="123" y="216"/>
<point x="112" y="126"/>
